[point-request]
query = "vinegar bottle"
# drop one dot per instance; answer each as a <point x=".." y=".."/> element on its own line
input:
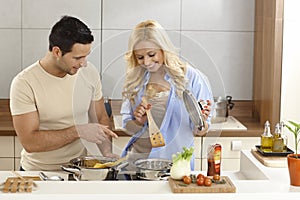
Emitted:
<point x="267" y="139"/>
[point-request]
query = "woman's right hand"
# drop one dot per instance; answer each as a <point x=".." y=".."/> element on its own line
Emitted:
<point x="140" y="114"/>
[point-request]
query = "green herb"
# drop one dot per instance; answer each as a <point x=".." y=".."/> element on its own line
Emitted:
<point x="185" y="155"/>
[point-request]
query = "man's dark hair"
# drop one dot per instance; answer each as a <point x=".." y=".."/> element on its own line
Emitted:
<point x="68" y="31"/>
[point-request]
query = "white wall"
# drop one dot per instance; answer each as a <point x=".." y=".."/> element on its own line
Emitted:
<point x="215" y="36"/>
<point x="290" y="92"/>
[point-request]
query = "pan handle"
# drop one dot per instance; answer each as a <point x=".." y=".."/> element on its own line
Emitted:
<point x="72" y="169"/>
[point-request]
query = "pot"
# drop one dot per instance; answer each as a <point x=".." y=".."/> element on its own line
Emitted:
<point x="222" y="106"/>
<point x="83" y="170"/>
<point x="294" y="169"/>
<point x="153" y="169"/>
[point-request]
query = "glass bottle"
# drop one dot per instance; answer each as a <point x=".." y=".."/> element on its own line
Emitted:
<point x="267" y="139"/>
<point x="284" y="136"/>
<point x="277" y="140"/>
<point x="214" y="159"/>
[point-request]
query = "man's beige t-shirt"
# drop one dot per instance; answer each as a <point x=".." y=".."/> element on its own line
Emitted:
<point x="60" y="103"/>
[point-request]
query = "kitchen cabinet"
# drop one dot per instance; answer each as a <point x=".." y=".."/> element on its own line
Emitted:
<point x="10" y="153"/>
<point x="7" y="153"/>
<point x="18" y="149"/>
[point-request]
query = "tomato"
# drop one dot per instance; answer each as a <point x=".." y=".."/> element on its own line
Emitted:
<point x="207" y="181"/>
<point x="200" y="181"/>
<point x="200" y="175"/>
<point x="216" y="177"/>
<point x="187" y="180"/>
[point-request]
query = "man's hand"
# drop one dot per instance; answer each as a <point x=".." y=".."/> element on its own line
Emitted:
<point x="94" y="132"/>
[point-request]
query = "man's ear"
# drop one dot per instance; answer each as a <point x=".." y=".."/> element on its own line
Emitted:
<point x="56" y="52"/>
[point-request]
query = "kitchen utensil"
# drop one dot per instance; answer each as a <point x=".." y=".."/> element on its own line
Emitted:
<point x="16" y="184"/>
<point x="83" y="168"/>
<point x="44" y="177"/>
<point x="156" y="137"/>
<point x="153" y="169"/>
<point x="222" y="106"/>
<point x="193" y="109"/>
<point x="19" y="183"/>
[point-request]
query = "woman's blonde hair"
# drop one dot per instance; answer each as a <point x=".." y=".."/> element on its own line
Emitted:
<point x="152" y="31"/>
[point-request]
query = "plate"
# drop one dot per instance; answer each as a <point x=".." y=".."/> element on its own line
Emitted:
<point x="289" y="151"/>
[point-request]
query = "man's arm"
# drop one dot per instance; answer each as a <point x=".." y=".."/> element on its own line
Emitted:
<point x="98" y="114"/>
<point x="35" y="140"/>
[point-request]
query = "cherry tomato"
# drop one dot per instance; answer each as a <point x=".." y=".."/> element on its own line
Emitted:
<point x="216" y="177"/>
<point x="200" y="181"/>
<point x="207" y="181"/>
<point x="200" y="175"/>
<point x="187" y="180"/>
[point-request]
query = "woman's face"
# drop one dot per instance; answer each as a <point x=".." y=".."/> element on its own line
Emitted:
<point x="148" y="55"/>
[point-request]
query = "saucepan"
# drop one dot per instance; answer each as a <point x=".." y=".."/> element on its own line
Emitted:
<point x="222" y="106"/>
<point x="153" y="168"/>
<point x="89" y="168"/>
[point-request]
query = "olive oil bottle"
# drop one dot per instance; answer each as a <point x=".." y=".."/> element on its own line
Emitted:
<point x="284" y="136"/>
<point x="267" y="139"/>
<point x="278" y="142"/>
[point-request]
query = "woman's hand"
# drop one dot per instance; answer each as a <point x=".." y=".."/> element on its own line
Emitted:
<point x="140" y="114"/>
<point x="206" y="108"/>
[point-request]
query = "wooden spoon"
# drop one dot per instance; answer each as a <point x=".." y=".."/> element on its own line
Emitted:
<point x="156" y="137"/>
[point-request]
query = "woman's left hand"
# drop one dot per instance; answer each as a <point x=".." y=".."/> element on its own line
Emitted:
<point x="206" y="108"/>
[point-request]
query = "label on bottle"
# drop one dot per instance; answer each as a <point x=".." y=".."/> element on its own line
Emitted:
<point x="214" y="160"/>
<point x="266" y="143"/>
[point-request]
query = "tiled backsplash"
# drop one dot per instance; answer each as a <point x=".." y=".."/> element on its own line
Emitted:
<point x="215" y="36"/>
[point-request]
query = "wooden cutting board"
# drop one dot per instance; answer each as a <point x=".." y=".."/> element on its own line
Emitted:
<point x="270" y="161"/>
<point x="177" y="187"/>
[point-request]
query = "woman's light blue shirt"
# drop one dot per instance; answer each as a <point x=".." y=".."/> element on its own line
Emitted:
<point x="176" y="127"/>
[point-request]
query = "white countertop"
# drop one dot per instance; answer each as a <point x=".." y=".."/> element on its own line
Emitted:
<point x="253" y="181"/>
<point x="231" y="124"/>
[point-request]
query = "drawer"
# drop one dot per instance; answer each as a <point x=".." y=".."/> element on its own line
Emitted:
<point x="18" y="147"/>
<point x="7" y="164"/>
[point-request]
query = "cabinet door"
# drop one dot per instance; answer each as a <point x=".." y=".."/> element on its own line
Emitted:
<point x="7" y="153"/>
<point x="18" y="147"/>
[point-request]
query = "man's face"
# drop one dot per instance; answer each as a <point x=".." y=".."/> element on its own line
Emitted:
<point x="72" y="61"/>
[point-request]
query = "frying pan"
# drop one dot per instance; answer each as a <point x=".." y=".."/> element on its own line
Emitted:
<point x="153" y="169"/>
<point x="194" y="109"/>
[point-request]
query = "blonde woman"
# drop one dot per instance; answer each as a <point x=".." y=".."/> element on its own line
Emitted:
<point x="155" y="71"/>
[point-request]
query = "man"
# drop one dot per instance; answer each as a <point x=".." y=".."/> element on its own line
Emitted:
<point x="58" y="101"/>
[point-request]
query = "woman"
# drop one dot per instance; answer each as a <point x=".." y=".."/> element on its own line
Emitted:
<point x="155" y="72"/>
